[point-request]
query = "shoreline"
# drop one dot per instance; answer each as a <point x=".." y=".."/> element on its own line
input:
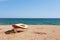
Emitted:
<point x="33" y="25"/>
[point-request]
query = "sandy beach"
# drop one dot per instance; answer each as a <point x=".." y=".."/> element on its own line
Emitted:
<point x="34" y="32"/>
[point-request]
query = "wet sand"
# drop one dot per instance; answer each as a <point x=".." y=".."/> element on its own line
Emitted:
<point x="34" y="32"/>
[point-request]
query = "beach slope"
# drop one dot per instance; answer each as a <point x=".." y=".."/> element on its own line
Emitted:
<point x="34" y="32"/>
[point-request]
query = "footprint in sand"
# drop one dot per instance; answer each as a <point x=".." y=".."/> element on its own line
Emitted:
<point x="40" y="33"/>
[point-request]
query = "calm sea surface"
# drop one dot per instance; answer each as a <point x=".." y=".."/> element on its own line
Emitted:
<point x="30" y="21"/>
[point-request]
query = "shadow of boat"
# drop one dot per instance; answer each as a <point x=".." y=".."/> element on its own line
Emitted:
<point x="11" y="31"/>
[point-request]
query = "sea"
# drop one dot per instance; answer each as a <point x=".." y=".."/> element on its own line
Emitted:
<point x="30" y="21"/>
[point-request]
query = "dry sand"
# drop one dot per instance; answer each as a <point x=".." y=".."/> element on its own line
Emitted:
<point x="34" y="32"/>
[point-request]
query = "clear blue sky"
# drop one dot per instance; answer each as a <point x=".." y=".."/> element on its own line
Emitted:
<point x="29" y="8"/>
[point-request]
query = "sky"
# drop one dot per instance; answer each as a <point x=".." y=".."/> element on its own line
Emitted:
<point x="29" y="8"/>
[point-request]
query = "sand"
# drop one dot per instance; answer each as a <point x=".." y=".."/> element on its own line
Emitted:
<point x="34" y="32"/>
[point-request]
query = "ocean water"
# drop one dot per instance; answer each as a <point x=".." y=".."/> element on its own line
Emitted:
<point x="30" y="21"/>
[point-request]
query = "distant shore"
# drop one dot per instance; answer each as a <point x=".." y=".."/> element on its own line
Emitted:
<point x="34" y="32"/>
